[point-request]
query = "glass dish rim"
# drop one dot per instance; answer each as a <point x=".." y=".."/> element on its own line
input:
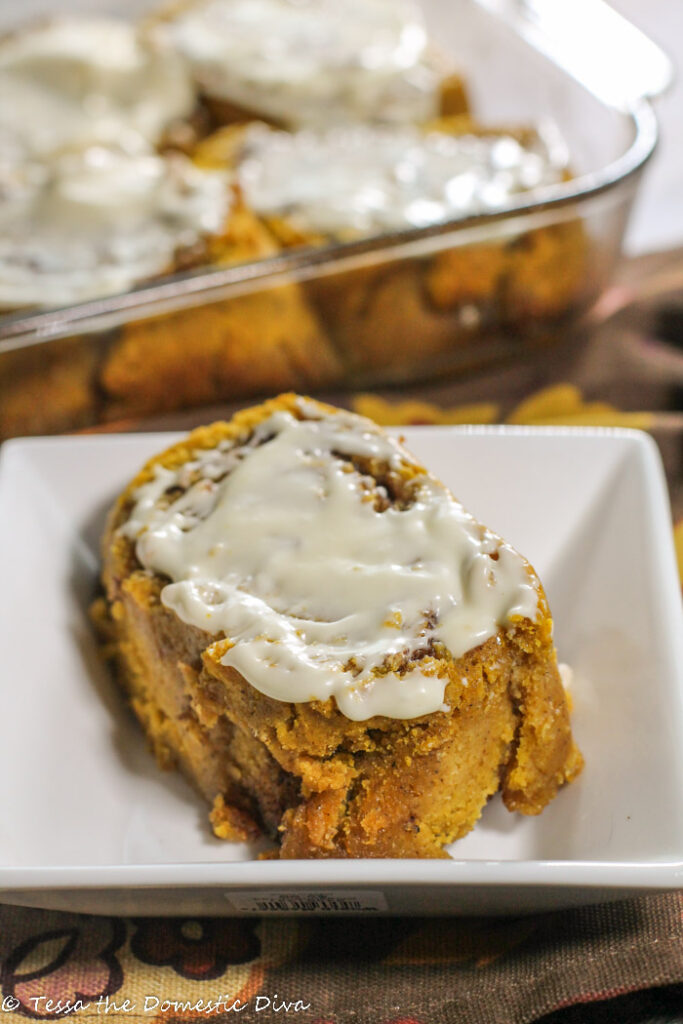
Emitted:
<point x="179" y="291"/>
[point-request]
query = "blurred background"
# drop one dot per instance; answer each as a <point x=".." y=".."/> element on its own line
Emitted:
<point x="658" y="218"/>
<point x="556" y="313"/>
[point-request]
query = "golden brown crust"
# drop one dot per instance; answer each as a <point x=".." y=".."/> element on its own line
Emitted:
<point x="334" y="787"/>
<point x="449" y="299"/>
<point x="247" y="345"/>
<point x="453" y="96"/>
<point x="48" y="388"/>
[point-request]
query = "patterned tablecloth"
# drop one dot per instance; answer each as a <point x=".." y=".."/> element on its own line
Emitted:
<point x="339" y="971"/>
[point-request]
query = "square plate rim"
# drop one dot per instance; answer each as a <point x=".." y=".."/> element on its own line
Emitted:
<point x="627" y="875"/>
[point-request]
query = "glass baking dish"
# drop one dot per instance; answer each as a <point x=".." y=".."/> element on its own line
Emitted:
<point x="392" y="309"/>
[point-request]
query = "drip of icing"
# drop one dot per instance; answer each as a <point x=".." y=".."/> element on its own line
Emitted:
<point x="364" y="179"/>
<point x="96" y="221"/>
<point x="310" y="62"/>
<point x="280" y="546"/>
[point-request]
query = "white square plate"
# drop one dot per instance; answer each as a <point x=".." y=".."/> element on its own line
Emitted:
<point x="89" y="823"/>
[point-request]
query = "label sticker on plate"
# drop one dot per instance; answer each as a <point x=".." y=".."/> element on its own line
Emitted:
<point x="328" y="901"/>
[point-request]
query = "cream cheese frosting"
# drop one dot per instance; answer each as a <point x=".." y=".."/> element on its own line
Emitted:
<point x="96" y="221"/>
<point x="364" y="179"/>
<point x="310" y="62"/>
<point x="279" y="545"/>
<point x="74" y="81"/>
